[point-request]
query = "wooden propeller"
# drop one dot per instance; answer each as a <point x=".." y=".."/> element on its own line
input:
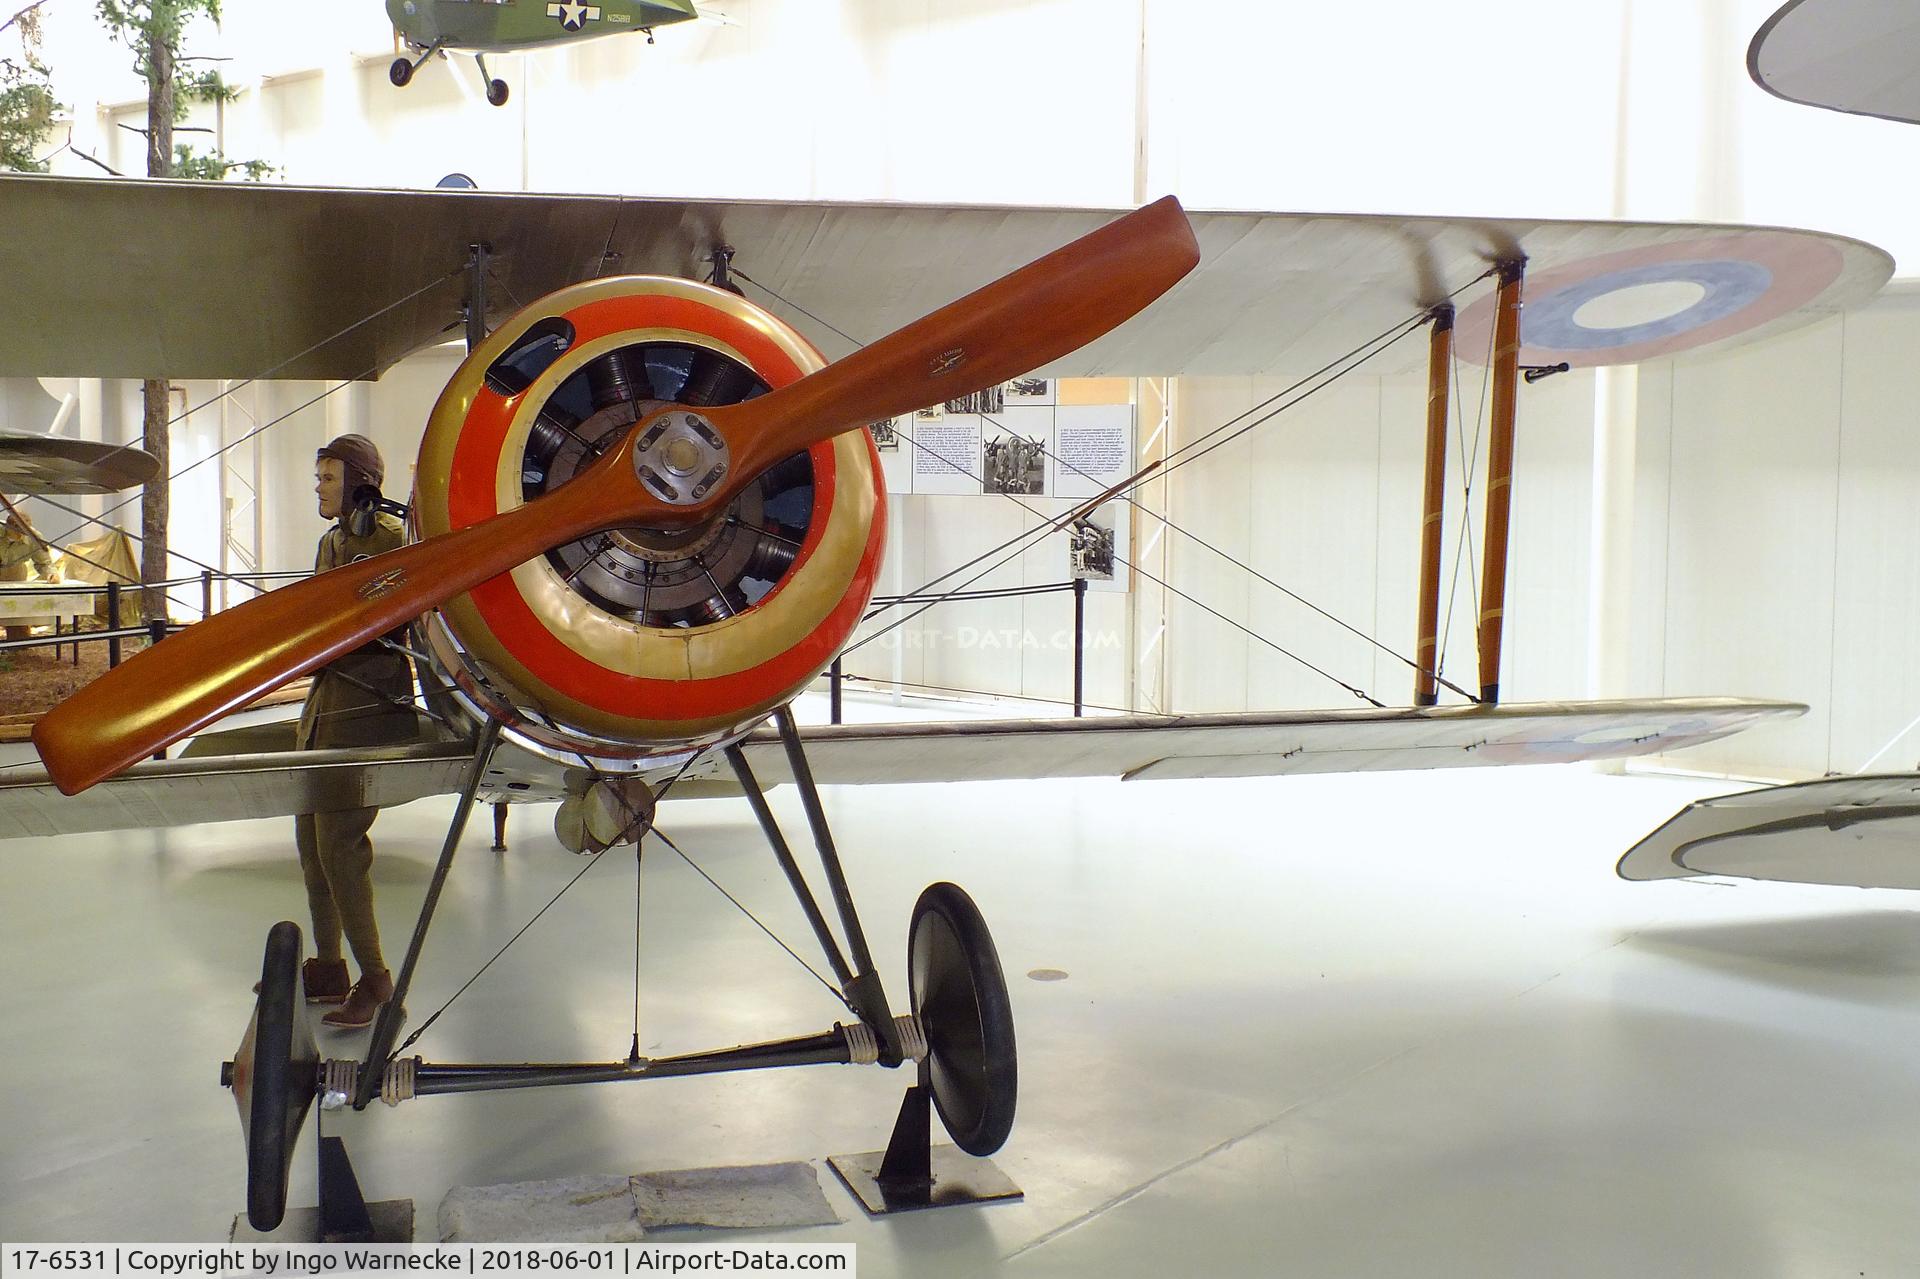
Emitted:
<point x="1021" y="321"/>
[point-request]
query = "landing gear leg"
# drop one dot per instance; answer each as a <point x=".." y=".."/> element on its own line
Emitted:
<point x="386" y="1026"/>
<point x="401" y="72"/>
<point x="496" y="89"/>
<point x="859" y="981"/>
<point x="960" y="1011"/>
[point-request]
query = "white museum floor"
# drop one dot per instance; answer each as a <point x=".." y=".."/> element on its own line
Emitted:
<point x="1400" y="1024"/>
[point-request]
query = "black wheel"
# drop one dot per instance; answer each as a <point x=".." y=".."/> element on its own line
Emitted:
<point x="960" y="997"/>
<point x="400" y="72"/>
<point x="273" y="1077"/>
<point x="497" y="92"/>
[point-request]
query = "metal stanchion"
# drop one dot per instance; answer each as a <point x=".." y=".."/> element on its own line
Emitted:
<point x="1079" y="644"/>
<point x="157" y="631"/>
<point x="113" y="623"/>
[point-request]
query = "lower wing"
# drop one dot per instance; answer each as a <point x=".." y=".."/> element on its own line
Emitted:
<point x="204" y="788"/>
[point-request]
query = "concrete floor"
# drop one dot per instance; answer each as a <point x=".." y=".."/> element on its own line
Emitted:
<point x="1369" y="1025"/>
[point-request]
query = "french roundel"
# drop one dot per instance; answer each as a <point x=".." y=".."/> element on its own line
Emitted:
<point x="638" y="635"/>
<point x="1658" y="299"/>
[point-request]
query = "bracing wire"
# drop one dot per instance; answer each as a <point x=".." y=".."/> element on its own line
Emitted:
<point x="718" y="887"/>
<point x="269" y="372"/>
<point x="1196" y="449"/>
<point x="1470" y="458"/>
<point x="414" y="1038"/>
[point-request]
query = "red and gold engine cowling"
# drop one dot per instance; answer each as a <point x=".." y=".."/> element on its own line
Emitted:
<point x="636" y="644"/>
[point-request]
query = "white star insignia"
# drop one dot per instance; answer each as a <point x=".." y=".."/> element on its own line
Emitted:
<point x="574" y="14"/>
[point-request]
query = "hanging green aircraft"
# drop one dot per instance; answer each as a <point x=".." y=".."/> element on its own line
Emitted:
<point x="481" y="27"/>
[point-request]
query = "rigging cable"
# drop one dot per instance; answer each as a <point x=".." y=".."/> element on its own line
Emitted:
<point x="831" y="988"/>
<point x="1045" y="529"/>
<point x="1136" y="480"/>
<point x="114" y="528"/>
<point x="1125" y="495"/>
<point x="271" y="370"/>
<point x="414" y="1038"/>
<point x="1380" y="342"/>
<point x="521" y="932"/>
<point x="1464" y="542"/>
<point x="1197" y="448"/>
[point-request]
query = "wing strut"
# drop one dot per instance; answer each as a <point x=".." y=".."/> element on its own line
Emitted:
<point x="1426" y="689"/>
<point x="1506" y="369"/>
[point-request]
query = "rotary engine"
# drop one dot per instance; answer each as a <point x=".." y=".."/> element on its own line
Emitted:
<point x="639" y="644"/>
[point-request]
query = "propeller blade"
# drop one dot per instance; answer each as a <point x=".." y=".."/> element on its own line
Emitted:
<point x="1042" y="311"/>
<point x="227" y="660"/>
<point x="1051" y="306"/>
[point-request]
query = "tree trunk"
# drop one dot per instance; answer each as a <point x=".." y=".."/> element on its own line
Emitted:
<point x="159" y="108"/>
<point x="155" y="499"/>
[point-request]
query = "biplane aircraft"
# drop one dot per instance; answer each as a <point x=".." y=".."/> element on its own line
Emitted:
<point x="647" y="517"/>
<point x="481" y="27"/>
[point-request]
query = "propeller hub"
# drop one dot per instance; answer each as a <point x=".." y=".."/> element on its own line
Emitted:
<point x="680" y="457"/>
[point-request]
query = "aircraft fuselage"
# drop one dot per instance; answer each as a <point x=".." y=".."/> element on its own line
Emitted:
<point x="502" y="26"/>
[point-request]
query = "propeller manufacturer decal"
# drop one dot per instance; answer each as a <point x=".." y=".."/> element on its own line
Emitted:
<point x="947" y="361"/>
<point x="385" y="584"/>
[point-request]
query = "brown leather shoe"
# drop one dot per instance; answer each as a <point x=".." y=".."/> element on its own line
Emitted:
<point x="325" y="981"/>
<point x="364" y="1002"/>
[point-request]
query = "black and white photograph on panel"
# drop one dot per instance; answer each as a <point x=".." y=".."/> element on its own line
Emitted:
<point x="991" y="400"/>
<point x="885" y="438"/>
<point x="1097" y="547"/>
<point x="1090" y="545"/>
<point x="1015" y="446"/>
<point x="1029" y="390"/>
<point x="932" y="413"/>
<point x="1013" y="464"/>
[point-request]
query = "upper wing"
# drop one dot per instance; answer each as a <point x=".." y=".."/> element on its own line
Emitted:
<point x="133" y="278"/>
<point x="1859" y="831"/>
<point x="226" y="788"/>
<point x="1857" y="56"/>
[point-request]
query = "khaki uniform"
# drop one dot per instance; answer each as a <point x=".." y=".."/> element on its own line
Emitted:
<point x="18" y="548"/>
<point x="348" y="705"/>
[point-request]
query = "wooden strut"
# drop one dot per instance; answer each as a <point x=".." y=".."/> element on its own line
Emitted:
<point x="1426" y="690"/>
<point x="1506" y="370"/>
